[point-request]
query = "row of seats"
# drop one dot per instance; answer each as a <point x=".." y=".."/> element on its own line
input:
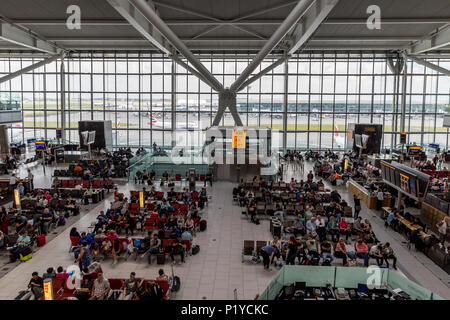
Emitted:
<point x="96" y="184"/>
<point x="62" y="290"/>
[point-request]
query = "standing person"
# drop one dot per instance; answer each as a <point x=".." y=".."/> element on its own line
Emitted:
<point x="292" y="250"/>
<point x="380" y="198"/>
<point x="440" y="161"/>
<point x="12" y="182"/>
<point x="357" y="202"/>
<point x="267" y="252"/>
<point x="443" y="226"/>
<point x="30" y="177"/>
<point x="84" y="258"/>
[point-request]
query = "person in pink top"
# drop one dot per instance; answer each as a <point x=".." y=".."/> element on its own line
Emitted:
<point x="62" y="273"/>
<point x="344" y="228"/>
<point x="362" y="251"/>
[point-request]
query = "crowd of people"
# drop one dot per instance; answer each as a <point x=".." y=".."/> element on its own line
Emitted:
<point x="95" y="286"/>
<point x="105" y="238"/>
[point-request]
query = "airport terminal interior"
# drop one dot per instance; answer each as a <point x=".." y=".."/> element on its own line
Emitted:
<point x="224" y="150"/>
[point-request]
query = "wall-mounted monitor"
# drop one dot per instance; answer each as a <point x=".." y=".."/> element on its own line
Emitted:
<point x="414" y="150"/>
<point x="40" y="144"/>
<point x="358" y="141"/>
<point x="91" y="137"/>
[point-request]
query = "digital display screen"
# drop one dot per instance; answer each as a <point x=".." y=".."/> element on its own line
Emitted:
<point x="358" y="140"/>
<point x="412" y="151"/>
<point x="412" y="187"/>
<point x="239" y="139"/>
<point x="404" y="183"/>
<point x="39" y="144"/>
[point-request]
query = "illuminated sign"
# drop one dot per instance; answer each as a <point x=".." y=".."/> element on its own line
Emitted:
<point x="345" y="164"/>
<point x="48" y="289"/>
<point x="402" y="137"/>
<point x="369" y="129"/>
<point x="238" y="138"/>
<point x="17" y="197"/>
<point x="141" y="199"/>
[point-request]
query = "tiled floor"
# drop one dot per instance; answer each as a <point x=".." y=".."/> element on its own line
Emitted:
<point x="217" y="270"/>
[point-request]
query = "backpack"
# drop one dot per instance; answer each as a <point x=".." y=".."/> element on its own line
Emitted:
<point x="203" y="225"/>
<point x="195" y="249"/>
<point x="62" y="221"/>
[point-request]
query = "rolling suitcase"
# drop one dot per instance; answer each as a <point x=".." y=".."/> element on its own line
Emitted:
<point x="203" y="224"/>
<point x="41" y="240"/>
<point x="160" y="258"/>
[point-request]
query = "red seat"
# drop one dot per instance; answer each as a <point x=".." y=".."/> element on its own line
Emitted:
<point x="164" y="286"/>
<point x="65" y="183"/>
<point x="70" y="184"/>
<point x="202" y="177"/>
<point x="178" y="177"/>
<point x="116" y="284"/>
<point x="96" y="184"/>
<point x="159" y="195"/>
<point x="134" y="207"/>
<point x="85" y="183"/>
<point x="149" y="223"/>
<point x="134" y="193"/>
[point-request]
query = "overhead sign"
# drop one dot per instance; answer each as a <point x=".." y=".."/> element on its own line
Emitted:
<point x="239" y="138"/>
<point x="48" y="289"/>
<point x="141" y="199"/>
<point x="446" y="123"/>
<point x="17" y="197"/>
<point x="403" y="137"/>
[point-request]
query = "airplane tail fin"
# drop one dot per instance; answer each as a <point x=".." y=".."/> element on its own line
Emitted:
<point x="336" y="129"/>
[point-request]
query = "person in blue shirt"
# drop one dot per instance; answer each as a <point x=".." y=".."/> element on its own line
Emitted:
<point x="186" y="235"/>
<point x="102" y="219"/>
<point x="392" y="218"/>
<point x="268" y="252"/>
<point x="21" y="189"/>
<point x="84" y="237"/>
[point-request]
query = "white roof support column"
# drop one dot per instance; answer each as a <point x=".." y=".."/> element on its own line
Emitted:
<point x="263" y="72"/>
<point x="150" y="14"/>
<point x="16" y="35"/>
<point x="428" y="65"/>
<point x="310" y="22"/>
<point x="145" y="20"/>
<point x="297" y="12"/>
<point x="439" y="39"/>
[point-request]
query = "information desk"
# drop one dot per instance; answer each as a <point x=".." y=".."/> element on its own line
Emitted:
<point x="370" y="200"/>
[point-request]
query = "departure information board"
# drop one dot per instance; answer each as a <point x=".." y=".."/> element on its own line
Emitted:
<point x="239" y="138"/>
